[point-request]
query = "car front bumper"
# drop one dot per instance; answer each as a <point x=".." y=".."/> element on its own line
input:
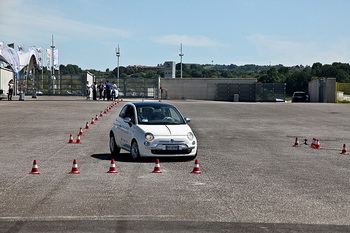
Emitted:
<point x="168" y="147"/>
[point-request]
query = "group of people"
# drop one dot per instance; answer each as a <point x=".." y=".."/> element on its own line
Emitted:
<point x="106" y="90"/>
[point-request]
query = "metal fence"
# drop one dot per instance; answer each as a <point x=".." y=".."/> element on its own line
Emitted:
<point x="136" y="87"/>
<point x="46" y="84"/>
<point x="343" y="93"/>
<point x="270" y="92"/>
<point x="265" y="92"/>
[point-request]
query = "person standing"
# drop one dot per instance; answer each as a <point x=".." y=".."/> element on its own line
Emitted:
<point x="114" y="91"/>
<point x="88" y="90"/>
<point x="94" y="91"/>
<point x="10" y="91"/>
<point x="108" y="90"/>
<point x="100" y="89"/>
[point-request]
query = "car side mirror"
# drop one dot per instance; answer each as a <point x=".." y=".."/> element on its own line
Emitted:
<point x="187" y="119"/>
<point x="127" y="120"/>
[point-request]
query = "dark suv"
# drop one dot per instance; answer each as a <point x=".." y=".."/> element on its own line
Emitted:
<point x="300" y="96"/>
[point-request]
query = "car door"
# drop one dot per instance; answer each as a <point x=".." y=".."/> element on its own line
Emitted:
<point x="119" y="127"/>
<point x="127" y="129"/>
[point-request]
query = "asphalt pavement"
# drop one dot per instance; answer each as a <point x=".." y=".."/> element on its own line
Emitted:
<point x="253" y="179"/>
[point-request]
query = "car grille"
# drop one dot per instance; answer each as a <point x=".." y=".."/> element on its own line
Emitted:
<point x="171" y="152"/>
<point x="172" y="142"/>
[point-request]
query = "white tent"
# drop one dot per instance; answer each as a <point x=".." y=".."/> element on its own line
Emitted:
<point x="11" y="57"/>
<point x="27" y="60"/>
<point x="18" y="60"/>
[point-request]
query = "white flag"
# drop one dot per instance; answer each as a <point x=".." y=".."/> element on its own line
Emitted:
<point x="56" y="64"/>
<point x="20" y="49"/>
<point x="48" y="59"/>
<point x="40" y="57"/>
<point x="31" y="48"/>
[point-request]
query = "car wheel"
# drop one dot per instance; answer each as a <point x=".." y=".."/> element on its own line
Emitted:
<point x="113" y="147"/>
<point x="135" y="153"/>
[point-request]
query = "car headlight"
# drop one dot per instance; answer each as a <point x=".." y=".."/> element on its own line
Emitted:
<point x="149" y="136"/>
<point x="190" y="136"/>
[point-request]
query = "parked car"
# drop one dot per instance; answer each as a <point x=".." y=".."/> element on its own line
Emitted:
<point x="300" y="96"/>
<point x="152" y="129"/>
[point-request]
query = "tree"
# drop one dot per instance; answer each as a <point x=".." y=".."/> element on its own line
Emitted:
<point x="271" y="76"/>
<point x="298" y="81"/>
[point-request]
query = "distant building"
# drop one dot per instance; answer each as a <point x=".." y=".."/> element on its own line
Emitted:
<point x="169" y="69"/>
<point x="140" y="68"/>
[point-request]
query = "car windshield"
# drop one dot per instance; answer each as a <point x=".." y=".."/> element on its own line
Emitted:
<point x="159" y="115"/>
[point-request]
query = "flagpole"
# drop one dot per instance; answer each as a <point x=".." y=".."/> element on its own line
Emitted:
<point x="52" y="66"/>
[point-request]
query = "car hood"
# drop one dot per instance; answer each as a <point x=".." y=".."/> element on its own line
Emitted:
<point x="165" y="130"/>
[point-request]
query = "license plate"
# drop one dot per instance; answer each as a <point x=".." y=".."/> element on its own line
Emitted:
<point x="171" y="147"/>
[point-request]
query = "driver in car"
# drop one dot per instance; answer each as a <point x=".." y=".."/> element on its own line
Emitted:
<point x="159" y="115"/>
<point x="146" y="114"/>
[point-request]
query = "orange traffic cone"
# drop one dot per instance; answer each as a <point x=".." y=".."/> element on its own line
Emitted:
<point x="81" y="133"/>
<point x="157" y="167"/>
<point x="87" y="126"/>
<point x="92" y="121"/>
<point x="296" y="144"/>
<point x="196" y="168"/>
<point x="101" y="115"/>
<point x="78" y="140"/>
<point x="105" y="111"/>
<point x="317" y="145"/>
<point x="35" y="169"/>
<point x="75" y="169"/>
<point x="96" y="118"/>
<point x="112" y="168"/>
<point x="313" y="143"/>
<point x="344" y="151"/>
<point x="71" y="140"/>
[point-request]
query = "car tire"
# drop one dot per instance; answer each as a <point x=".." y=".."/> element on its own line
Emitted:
<point x="113" y="147"/>
<point x="134" y="151"/>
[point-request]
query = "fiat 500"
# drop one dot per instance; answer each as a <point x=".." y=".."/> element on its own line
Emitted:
<point x="152" y="129"/>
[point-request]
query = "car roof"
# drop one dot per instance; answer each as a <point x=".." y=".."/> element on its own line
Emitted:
<point x="151" y="104"/>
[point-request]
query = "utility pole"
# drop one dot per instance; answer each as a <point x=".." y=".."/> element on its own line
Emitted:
<point x="117" y="51"/>
<point x="181" y="55"/>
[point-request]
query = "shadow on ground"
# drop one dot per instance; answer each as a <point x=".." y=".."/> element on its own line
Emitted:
<point x="125" y="157"/>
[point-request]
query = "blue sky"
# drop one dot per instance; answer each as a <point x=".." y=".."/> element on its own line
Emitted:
<point x="149" y="32"/>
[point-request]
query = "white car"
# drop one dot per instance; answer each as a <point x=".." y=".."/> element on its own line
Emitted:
<point x="152" y="129"/>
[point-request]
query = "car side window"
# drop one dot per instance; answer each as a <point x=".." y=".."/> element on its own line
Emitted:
<point x="122" y="112"/>
<point x="130" y="113"/>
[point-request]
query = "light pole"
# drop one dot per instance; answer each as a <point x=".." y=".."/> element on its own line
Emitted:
<point x="181" y="55"/>
<point x="117" y="51"/>
<point x="52" y="67"/>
